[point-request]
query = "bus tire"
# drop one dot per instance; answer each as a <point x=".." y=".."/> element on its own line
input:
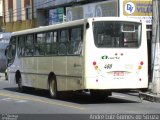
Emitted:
<point x="53" y="88"/>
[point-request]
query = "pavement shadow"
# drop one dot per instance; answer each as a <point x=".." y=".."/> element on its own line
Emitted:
<point x="85" y="98"/>
<point x="73" y="97"/>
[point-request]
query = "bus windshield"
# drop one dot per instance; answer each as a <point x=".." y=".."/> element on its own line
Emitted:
<point x="117" y="34"/>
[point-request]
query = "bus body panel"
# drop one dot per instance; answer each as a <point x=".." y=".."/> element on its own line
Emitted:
<point x="116" y="68"/>
<point x="35" y="72"/>
<point x="118" y="73"/>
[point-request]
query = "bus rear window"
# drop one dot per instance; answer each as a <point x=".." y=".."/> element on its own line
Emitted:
<point x="117" y="34"/>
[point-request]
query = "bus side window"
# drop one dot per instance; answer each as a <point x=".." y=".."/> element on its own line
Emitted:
<point x="51" y="43"/>
<point x="29" y="45"/>
<point x="21" y="45"/>
<point x="63" y="42"/>
<point x="39" y="44"/>
<point x="75" y="46"/>
<point x="78" y="46"/>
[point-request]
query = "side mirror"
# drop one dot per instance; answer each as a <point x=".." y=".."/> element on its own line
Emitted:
<point x="87" y="25"/>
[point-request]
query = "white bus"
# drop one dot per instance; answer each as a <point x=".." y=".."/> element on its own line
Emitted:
<point x="99" y="55"/>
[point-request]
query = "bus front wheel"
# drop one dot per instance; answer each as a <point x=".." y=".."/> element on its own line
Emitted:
<point x="53" y="88"/>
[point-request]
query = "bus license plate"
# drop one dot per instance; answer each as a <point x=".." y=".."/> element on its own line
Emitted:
<point x="118" y="73"/>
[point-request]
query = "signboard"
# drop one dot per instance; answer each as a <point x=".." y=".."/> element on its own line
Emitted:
<point x="59" y="2"/>
<point x="56" y="16"/>
<point x="109" y="8"/>
<point x="88" y="10"/>
<point x="74" y="13"/>
<point x="140" y="9"/>
<point x="100" y="9"/>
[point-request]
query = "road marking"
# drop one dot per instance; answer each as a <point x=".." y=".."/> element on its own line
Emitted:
<point x="6" y="99"/>
<point x="42" y="101"/>
<point x="22" y="101"/>
<point x="13" y="100"/>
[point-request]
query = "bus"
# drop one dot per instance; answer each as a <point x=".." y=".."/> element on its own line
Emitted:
<point x="99" y="55"/>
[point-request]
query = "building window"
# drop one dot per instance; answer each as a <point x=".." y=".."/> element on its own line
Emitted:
<point x="10" y="15"/>
<point x="19" y="10"/>
<point x="28" y="13"/>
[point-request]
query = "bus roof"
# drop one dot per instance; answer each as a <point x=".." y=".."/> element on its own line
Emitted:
<point x="71" y="23"/>
<point x="50" y="27"/>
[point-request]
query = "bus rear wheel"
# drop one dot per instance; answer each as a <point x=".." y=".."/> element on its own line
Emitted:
<point x="53" y="88"/>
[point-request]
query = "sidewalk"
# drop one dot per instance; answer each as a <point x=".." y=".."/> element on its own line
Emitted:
<point x="149" y="96"/>
<point x="2" y="76"/>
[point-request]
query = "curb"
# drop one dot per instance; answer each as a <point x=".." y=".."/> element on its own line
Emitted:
<point x="149" y="97"/>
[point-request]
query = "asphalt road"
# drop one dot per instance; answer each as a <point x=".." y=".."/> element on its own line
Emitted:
<point x="36" y="103"/>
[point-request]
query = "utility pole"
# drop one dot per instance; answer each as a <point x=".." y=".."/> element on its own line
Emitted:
<point x="156" y="49"/>
<point x="4" y="16"/>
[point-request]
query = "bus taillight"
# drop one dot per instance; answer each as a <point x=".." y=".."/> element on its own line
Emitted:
<point x="94" y="63"/>
<point x="141" y="63"/>
<point x="139" y="67"/>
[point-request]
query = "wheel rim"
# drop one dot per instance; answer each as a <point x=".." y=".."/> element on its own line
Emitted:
<point x="52" y="87"/>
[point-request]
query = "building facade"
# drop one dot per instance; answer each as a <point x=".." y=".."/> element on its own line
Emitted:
<point x="54" y="11"/>
<point x="25" y="14"/>
<point x="18" y="15"/>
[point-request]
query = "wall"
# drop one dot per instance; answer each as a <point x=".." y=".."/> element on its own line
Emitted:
<point x="20" y="25"/>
